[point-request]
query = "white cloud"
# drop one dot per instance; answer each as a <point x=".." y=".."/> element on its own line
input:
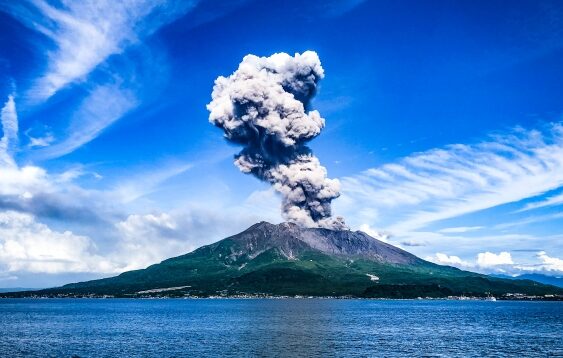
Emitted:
<point x="85" y="33"/>
<point x="376" y="234"/>
<point x="529" y="220"/>
<point x="443" y="259"/>
<point x="148" y="239"/>
<point x="548" y="264"/>
<point x="338" y="8"/>
<point x="27" y="245"/>
<point x="16" y="181"/>
<point x="32" y="190"/>
<point x="551" y="201"/>
<point x="9" y="121"/>
<point x="461" y="229"/>
<point x="9" y="118"/>
<point x="139" y="240"/>
<point x="102" y="107"/>
<point x="147" y="181"/>
<point x="44" y="141"/>
<point x="489" y="259"/>
<point x="459" y="179"/>
<point x="503" y="262"/>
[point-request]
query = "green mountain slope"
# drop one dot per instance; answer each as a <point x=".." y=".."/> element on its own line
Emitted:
<point x="285" y="259"/>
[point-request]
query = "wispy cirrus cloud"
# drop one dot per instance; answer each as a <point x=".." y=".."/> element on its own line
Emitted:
<point x="101" y="45"/>
<point x="550" y="201"/>
<point x="460" y="229"/>
<point x="147" y="181"/>
<point x="529" y="220"/>
<point x="459" y="179"/>
<point x="85" y="33"/>
<point x="103" y="106"/>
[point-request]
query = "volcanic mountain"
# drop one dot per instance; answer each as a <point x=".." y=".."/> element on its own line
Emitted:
<point x="286" y="259"/>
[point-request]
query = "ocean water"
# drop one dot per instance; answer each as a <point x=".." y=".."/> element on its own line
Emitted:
<point x="279" y="328"/>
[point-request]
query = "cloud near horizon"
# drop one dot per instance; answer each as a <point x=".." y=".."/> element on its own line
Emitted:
<point x="502" y="263"/>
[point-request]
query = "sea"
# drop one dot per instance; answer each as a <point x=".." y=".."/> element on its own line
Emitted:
<point x="279" y="328"/>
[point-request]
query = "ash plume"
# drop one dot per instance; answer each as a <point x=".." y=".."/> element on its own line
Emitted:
<point x="264" y="106"/>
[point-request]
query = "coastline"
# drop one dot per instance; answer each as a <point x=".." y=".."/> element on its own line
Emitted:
<point x="521" y="298"/>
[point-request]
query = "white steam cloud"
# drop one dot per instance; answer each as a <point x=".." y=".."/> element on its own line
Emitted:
<point x="264" y="106"/>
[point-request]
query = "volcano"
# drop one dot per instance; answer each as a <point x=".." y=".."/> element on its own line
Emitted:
<point x="288" y="260"/>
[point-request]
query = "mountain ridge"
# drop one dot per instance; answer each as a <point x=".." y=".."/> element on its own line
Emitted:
<point x="541" y="278"/>
<point x="343" y="243"/>
<point x="288" y="260"/>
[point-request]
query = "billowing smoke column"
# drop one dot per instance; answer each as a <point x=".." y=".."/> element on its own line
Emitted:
<point x="263" y="106"/>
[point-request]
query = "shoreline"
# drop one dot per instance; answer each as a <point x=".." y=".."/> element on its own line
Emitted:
<point x="259" y="297"/>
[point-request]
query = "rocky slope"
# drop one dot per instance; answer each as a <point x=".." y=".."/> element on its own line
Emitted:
<point x="291" y="240"/>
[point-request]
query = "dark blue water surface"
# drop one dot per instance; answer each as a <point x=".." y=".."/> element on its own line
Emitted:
<point x="279" y="328"/>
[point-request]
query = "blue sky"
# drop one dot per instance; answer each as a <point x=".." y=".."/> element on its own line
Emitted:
<point x="443" y="125"/>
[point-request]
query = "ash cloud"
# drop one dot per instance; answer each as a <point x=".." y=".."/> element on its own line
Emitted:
<point x="264" y="106"/>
